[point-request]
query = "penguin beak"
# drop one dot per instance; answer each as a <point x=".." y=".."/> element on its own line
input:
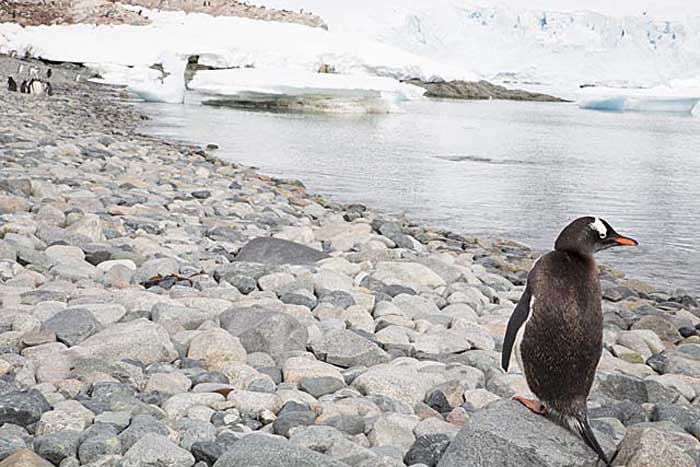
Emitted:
<point x="625" y="241"/>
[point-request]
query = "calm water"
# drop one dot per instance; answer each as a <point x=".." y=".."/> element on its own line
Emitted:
<point x="496" y="169"/>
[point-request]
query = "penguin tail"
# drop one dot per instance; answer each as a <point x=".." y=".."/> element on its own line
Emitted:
<point x="579" y="424"/>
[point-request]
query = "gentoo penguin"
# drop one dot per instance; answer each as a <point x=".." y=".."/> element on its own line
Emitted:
<point x="49" y="72"/>
<point x="556" y="329"/>
<point x="23" y="88"/>
<point x="11" y="84"/>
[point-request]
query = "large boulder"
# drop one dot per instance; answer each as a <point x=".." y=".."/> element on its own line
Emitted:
<point x="140" y="340"/>
<point x="276" y="252"/>
<point x="267" y="451"/>
<point x="506" y="434"/>
<point x="261" y="330"/>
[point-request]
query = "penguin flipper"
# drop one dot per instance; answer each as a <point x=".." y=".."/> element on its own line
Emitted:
<point x="579" y="424"/>
<point x="517" y="320"/>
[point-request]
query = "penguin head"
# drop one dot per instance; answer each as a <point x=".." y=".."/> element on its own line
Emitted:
<point x="589" y="235"/>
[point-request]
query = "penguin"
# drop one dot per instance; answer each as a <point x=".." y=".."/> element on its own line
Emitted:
<point x="49" y="72"/>
<point x="556" y="329"/>
<point x="20" y="69"/>
<point x="49" y="89"/>
<point x="23" y="88"/>
<point x="11" y="84"/>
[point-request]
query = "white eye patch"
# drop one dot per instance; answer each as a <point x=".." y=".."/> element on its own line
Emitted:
<point x="599" y="227"/>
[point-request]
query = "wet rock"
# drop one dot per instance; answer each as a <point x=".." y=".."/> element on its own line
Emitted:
<point x="276" y="252"/>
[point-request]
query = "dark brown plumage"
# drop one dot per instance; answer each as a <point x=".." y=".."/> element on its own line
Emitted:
<point x="557" y="326"/>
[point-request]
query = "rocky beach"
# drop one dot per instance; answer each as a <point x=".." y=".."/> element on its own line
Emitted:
<point x="162" y="307"/>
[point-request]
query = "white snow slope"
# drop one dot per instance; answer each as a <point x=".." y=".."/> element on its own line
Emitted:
<point x="551" y="45"/>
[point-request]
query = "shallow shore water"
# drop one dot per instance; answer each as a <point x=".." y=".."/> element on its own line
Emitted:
<point x="161" y="306"/>
<point x="508" y="170"/>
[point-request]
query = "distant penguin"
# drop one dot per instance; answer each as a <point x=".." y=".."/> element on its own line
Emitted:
<point x="37" y="86"/>
<point x="77" y="78"/>
<point x="33" y="72"/>
<point x="23" y="88"/>
<point x="49" y="73"/>
<point x="49" y="89"/>
<point x="11" y="84"/>
<point x="556" y="330"/>
<point x="20" y="70"/>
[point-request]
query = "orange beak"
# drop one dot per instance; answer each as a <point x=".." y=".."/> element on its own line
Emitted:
<point x="626" y="241"/>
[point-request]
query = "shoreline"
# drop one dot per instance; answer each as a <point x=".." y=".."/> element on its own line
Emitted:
<point x="132" y="297"/>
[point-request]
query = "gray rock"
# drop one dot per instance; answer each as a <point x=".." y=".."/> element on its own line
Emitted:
<point x="321" y="386"/>
<point x="57" y="446"/>
<point x="12" y="439"/>
<point x="140" y="340"/>
<point x="155" y="450"/>
<point x="350" y="424"/>
<point x="265" y="451"/>
<point x="73" y="325"/>
<point x="193" y="431"/>
<point x="154" y="267"/>
<point x="139" y="427"/>
<point x="260" y="330"/>
<point x="22" y="407"/>
<point x="207" y="452"/>
<point x="16" y="186"/>
<point x="276" y="252"/>
<point x="287" y="420"/>
<point x="428" y="449"/>
<point x="674" y="362"/>
<point x="347" y="348"/>
<point x="96" y="447"/>
<point x="649" y="447"/>
<point x="507" y="434"/>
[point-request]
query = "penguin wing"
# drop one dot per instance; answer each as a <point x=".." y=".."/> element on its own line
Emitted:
<point x="517" y="320"/>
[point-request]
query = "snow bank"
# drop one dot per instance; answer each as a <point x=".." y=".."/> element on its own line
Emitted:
<point x="223" y="42"/>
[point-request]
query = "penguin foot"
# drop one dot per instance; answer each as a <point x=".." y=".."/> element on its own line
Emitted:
<point x="533" y="404"/>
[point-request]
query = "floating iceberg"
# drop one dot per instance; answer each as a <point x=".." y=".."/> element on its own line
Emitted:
<point x="678" y="96"/>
